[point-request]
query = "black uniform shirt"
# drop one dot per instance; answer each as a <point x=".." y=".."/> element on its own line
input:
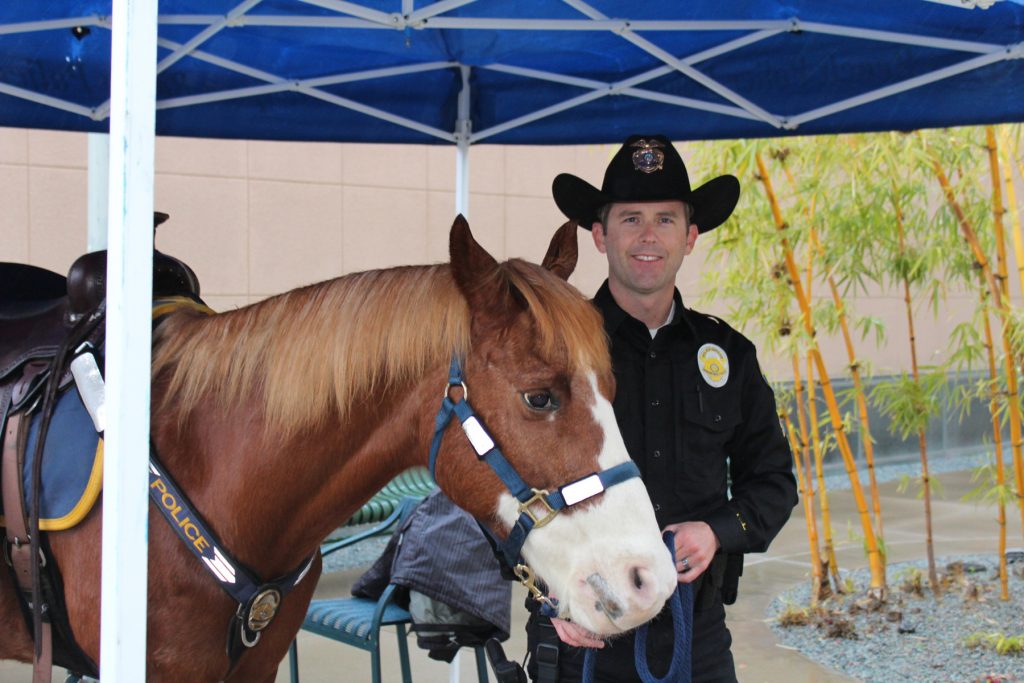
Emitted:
<point x="691" y="439"/>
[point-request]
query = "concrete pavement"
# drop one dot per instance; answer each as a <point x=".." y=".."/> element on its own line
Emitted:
<point x="960" y="528"/>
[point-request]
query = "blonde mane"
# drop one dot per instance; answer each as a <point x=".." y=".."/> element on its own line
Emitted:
<point x="309" y="351"/>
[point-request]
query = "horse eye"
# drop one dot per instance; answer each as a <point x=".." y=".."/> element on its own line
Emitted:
<point x="540" y="400"/>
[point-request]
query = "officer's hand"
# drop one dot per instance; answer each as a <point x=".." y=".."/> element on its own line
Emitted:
<point x="696" y="544"/>
<point x="574" y="634"/>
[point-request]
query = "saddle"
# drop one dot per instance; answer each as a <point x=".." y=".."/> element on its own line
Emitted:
<point x="47" y="321"/>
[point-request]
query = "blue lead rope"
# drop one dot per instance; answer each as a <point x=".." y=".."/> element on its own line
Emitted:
<point x="679" y="671"/>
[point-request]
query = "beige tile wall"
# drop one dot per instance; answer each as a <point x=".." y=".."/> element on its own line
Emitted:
<point x="257" y="218"/>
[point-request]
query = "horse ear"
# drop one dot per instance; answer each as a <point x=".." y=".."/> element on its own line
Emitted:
<point x="491" y="299"/>
<point x="563" y="251"/>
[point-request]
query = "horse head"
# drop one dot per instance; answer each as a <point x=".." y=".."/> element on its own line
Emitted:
<point x="538" y="376"/>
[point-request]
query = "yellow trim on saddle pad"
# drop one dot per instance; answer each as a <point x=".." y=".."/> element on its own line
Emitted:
<point x="85" y="502"/>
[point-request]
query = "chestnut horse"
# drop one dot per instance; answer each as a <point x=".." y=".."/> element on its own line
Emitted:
<point x="278" y="420"/>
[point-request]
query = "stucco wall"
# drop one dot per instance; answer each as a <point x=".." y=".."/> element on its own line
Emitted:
<point x="257" y="218"/>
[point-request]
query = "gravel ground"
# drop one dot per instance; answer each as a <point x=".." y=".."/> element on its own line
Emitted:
<point x="915" y="637"/>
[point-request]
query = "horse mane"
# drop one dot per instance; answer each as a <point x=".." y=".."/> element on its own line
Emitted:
<point x="309" y="351"/>
<point x="568" y="327"/>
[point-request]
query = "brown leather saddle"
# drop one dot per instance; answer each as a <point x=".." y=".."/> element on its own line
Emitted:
<point x="44" y="318"/>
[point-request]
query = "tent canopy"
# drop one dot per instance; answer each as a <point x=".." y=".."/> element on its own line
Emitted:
<point x="525" y="72"/>
<point x="457" y="71"/>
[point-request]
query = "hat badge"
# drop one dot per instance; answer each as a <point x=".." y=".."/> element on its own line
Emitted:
<point x="648" y="158"/>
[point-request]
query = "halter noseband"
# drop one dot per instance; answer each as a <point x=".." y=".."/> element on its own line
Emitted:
<point x="550" y="502"/>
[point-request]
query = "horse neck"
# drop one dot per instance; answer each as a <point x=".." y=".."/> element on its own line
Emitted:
<point x="272" y="498"/>
<point x="285" y="417"/>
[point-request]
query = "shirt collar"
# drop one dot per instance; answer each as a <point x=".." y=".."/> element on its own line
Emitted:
<point x="614" y="316"/>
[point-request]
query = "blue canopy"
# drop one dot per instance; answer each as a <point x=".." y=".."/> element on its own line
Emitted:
<point x="526" y="72"/>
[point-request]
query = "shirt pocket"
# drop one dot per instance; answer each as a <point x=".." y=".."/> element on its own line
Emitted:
<point x="710" y="419"/>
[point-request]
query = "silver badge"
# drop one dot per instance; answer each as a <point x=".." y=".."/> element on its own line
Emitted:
<point x="263" y="609"/>
<point x="648" y="158"/>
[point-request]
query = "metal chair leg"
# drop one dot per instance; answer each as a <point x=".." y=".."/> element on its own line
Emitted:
<point x="481" y="664"/>
<point x="403" y="653"/>
<point x="375" y="662"/>
<point x="293" y="660"/>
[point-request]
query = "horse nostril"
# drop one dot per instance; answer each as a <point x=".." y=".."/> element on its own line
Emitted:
<point x="638" y="579"/>
<point x="606" y="601"/>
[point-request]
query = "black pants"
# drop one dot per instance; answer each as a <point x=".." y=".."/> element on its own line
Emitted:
<point x="712" y="658"/>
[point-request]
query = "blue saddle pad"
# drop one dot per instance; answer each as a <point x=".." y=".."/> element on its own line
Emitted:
<point x="72" y="474"/>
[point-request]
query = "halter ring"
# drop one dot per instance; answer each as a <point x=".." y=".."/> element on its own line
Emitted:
<point x="465" y="391"/>
<point x="539" y="496"/>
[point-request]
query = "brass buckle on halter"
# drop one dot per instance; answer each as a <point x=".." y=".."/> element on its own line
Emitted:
<point x="539" y="496"/>
<point x="526" y="577"/>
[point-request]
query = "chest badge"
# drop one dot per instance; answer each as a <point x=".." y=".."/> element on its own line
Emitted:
<point x="713" y="365"/>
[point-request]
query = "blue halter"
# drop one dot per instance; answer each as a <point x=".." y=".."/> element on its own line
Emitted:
<point x="549" y="502"/>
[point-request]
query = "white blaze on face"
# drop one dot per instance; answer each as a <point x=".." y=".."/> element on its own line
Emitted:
<point x="604" y="562"/>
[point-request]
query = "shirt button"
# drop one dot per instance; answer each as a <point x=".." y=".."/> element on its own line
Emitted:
<point x="657" y="507"/>
<point x="656" y="454"/>
<point x="654" y="354"/>
<point x="655" y="403"/>
<point x="718" y="418"/>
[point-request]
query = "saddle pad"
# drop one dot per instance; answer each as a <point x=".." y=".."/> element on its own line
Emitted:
<point x="72" y="474"/>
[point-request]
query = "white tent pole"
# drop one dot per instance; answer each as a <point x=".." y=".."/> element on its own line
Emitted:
<point x="129" y="299"/>
<point x="463" y="130"/>
<point x="99" y="177"/>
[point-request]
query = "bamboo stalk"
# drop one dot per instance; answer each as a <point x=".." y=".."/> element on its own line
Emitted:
<point x="819" y="468"/>
<point x="1013" y="395"/>
<point x="997" y="440"/>
<point x="922" y="441"/>
<point x="800" y="413"/>
<point x="861" y="395"/>
<point x="875" y="562"/>
<point x="808" y="499"/>
<point x="970" y="236"/>
<point x="829" y="553"/>
<point x="832" y="563"/>
<point x="1011" y="205"/>
<point x="858" y="385"/>
<point x="826" y="521"/>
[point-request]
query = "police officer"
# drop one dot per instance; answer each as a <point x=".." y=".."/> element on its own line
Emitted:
<point x="694" y="409"/>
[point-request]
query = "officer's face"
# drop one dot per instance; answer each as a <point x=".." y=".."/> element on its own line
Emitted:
<point x="645" y="244"/>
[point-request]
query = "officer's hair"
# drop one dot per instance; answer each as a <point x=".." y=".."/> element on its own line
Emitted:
<point x="602" y="215"/>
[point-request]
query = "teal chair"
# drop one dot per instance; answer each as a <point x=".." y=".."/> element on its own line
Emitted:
<point x="358" y="621"/>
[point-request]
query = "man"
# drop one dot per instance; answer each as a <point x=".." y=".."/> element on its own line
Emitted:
<point x="695" y="411"/>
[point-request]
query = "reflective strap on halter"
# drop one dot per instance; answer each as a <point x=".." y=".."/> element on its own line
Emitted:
<point x="486" y="450"/>
<point x="566" y="496"/>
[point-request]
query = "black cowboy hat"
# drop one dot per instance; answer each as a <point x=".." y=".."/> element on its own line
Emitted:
<point x="647" y="169"/>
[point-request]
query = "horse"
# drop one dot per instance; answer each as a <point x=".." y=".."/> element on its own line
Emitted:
<point x="279" y="419"/>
